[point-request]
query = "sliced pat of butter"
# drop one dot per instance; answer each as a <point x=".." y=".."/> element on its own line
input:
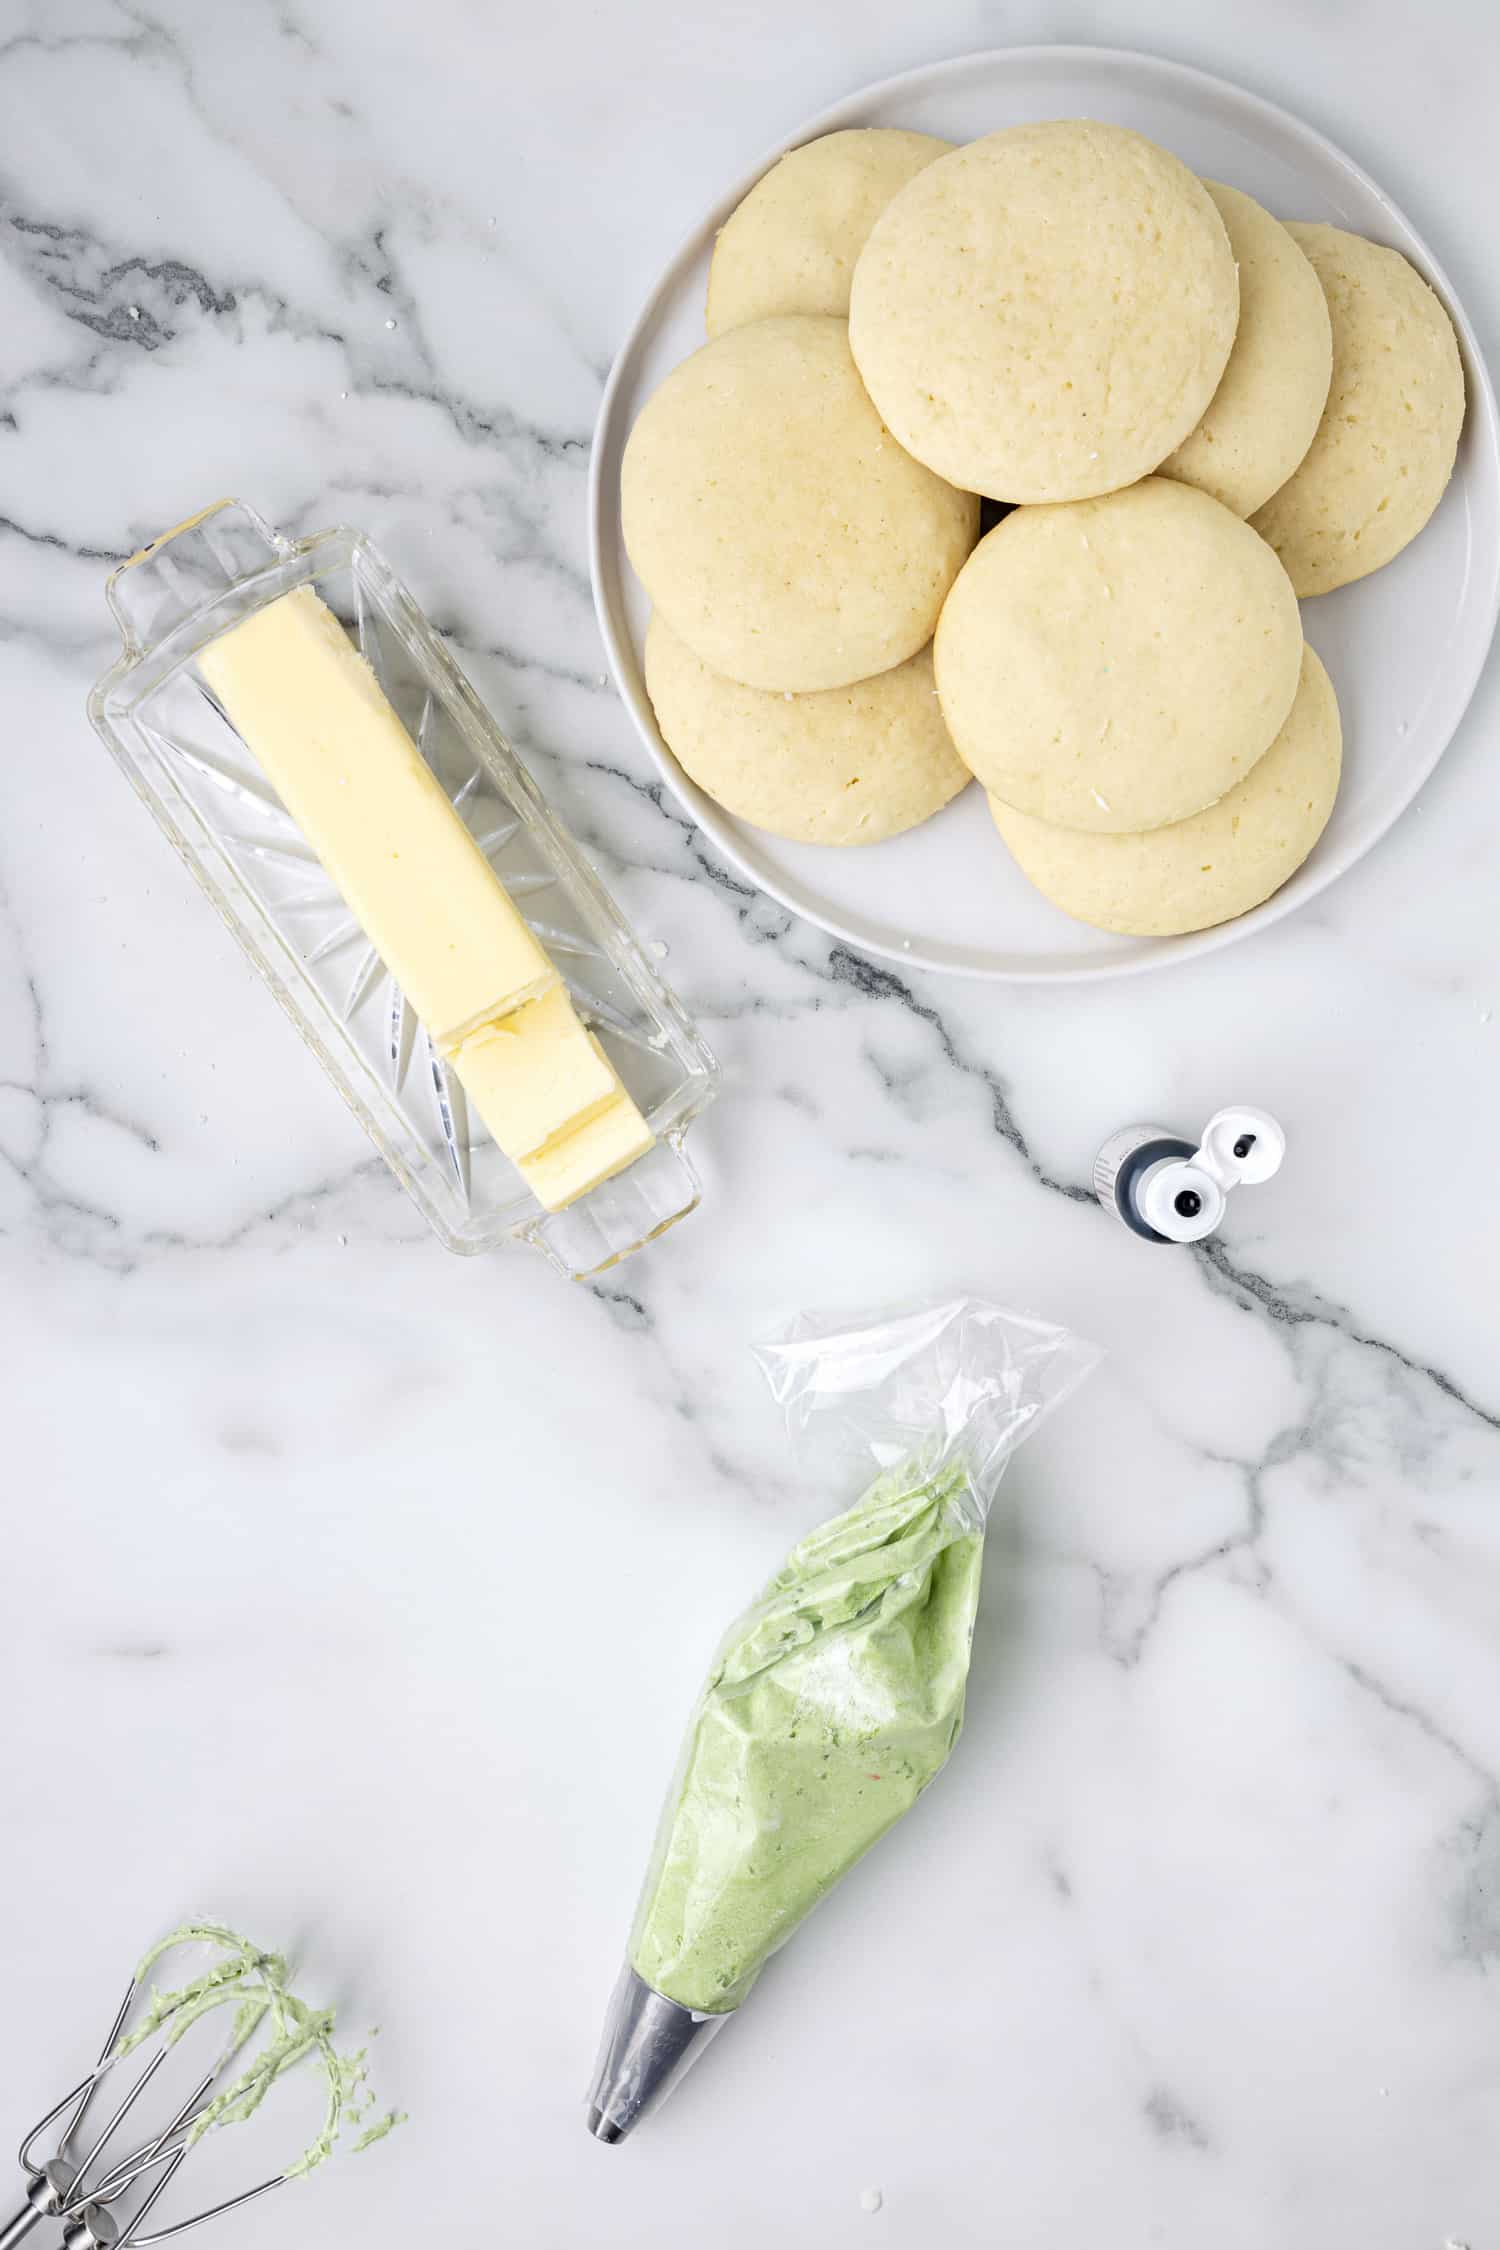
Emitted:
<point x="582" y="1158"/>
<point x="314" y="716"/>
<point x="535" y="1074"/>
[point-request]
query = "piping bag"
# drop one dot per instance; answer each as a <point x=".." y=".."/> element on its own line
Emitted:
<point x="838" y="1695"/>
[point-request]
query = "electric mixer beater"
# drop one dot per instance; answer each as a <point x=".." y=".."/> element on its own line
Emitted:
<point x="104" y="2202"/>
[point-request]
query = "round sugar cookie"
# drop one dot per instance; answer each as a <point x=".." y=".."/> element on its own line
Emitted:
<point x="1263" y="416"/>
<point x="851" y="765"/>
<point x="776" y="523"/>
<point x="1385" y="447"/>
<point x="790" y="246"/>
<point x="1119" y="663"/>
<point x="1208" y="869"/>
<point x="1046" y="313"/>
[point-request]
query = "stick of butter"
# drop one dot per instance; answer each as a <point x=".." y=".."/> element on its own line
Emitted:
<point x="312" y="713"/>
<point x="582" y="1157"/>
<point x="541" y="1082"/>
<point x="534" y="1074"/>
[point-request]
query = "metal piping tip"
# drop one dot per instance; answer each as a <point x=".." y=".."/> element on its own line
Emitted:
<point x="649" y="2042"/>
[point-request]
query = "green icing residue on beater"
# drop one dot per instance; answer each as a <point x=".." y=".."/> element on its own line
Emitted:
<point x="256" y="1984"/>
<point x="833" y="1704"/>
<point x="378" y="2131"/>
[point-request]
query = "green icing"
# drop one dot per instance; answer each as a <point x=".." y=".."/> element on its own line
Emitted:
<point x="378" y="2131"/>
<point x="832" y="1705"/>
<point x="256" y="1984"/>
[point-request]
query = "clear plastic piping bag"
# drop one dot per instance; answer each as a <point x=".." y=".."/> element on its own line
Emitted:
<point x="838" y="1695"/>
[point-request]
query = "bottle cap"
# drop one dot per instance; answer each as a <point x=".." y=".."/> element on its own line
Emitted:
<point x="1169" y="1191"/>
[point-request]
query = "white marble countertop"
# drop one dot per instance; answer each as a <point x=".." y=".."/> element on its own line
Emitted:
<point x="358" y="1592"/>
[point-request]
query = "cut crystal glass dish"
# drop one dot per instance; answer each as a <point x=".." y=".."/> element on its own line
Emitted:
<point x="210" y="797"/>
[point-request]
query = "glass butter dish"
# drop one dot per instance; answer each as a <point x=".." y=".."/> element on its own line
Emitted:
<point x="212" y="799"/>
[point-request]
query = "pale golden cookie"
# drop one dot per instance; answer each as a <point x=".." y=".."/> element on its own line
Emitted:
<point x="790" y="246"/>
<point x="1385" y="448"/>
<point x="1206" y="870"/>
<point x="776" y="523"/>
<point x="1263" y="416"/>
<point x="851" y="765"/>
<point x="1046" y="313"/>
<point x="1119" y="663"/>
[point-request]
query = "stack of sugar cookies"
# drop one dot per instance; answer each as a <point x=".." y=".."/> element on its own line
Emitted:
<point x="1193" y="415"/>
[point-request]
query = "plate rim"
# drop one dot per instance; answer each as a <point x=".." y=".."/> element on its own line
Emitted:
<point x="1165" y="953"/>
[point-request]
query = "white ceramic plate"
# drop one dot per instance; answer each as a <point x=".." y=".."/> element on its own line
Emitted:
<point x="1405" y="647"/>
